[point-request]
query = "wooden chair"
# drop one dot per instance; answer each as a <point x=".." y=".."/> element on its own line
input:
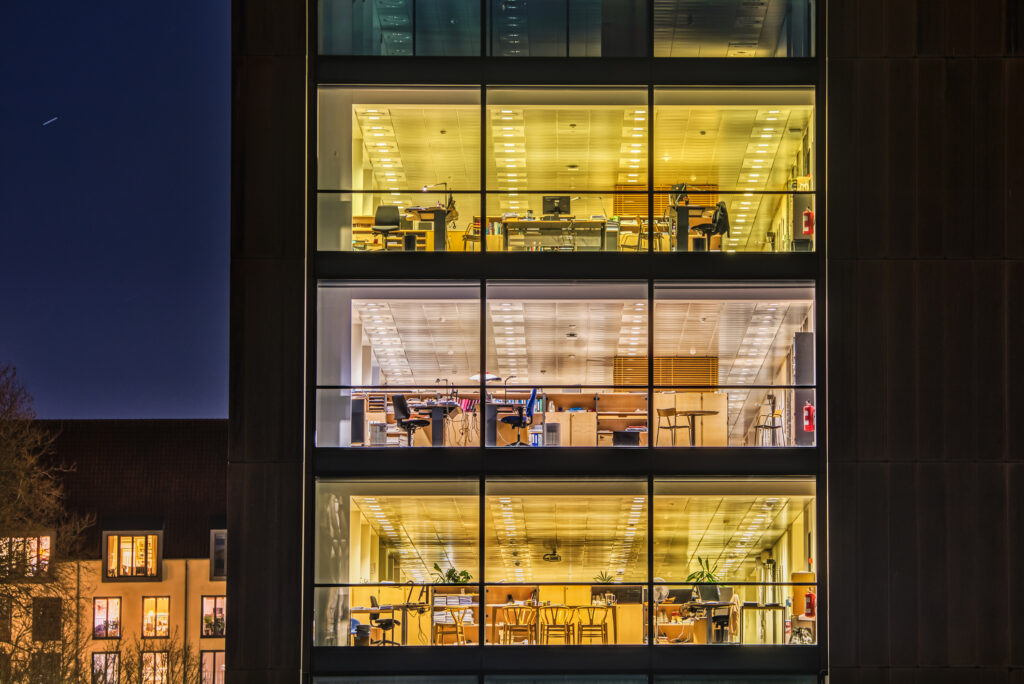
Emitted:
<point x="668" y="419"/>
<point x="518" y="624"/>
<point x="556" y="623"/>
<point x="455" y="626"/>
<point x="593" y="623"/>
<point x="472" y="236"/>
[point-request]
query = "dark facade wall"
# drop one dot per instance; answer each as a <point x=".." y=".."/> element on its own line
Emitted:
<point x="925" y="338"/>
<point x="267" y="315"/>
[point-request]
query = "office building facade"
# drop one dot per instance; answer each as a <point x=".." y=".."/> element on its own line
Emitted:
<point x="530" y="341"/>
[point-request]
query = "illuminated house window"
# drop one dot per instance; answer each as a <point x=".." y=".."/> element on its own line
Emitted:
<point x="106" y="668"/>
<point x="25" y="556"/>
<point x="106" y="618"/>
<point x="218" y="554"/>
<point x="212" y="667"/>
<point x="154" y="667"/>
<point x="156" y="621"/>
<point x="214" y="609"/>
<point x="132" y="555"/>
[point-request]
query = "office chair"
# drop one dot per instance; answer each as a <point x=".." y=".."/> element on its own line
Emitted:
<point x="384" y="624"/>
<point x="523" y="418"/>
<point x="719" y="224"/>
<point x="386" y="220"/>
<point x="403" y="416"/>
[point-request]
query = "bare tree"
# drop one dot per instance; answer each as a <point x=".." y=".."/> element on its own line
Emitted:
<point x="39" y="539"/>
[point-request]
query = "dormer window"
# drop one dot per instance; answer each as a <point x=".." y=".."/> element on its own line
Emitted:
<point x="132" y="555"/>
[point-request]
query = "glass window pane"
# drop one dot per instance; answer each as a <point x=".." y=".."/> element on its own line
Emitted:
<point x="580" y="345"/>
<point x="565" y="679"/>
<point x="734" y="364"/>
<point x="400" y="28"/>
<point x="734" y="139"/>
<point x="734" y="28"/>
<point x="566" y="561"/>
<point x="410" y="352"/>
<point x="566" y="140"/>
<point x="395" y="680"/>
<point x="396" y="147"/>
<point x="568" y="28"/>
<point x="396" y="543"/>
<point x="734" y="561"/>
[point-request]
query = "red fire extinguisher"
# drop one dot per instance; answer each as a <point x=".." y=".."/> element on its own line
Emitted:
<point x="810" y="603"/>
<point x="808" y="417"/>
<point x="808" y="222"/>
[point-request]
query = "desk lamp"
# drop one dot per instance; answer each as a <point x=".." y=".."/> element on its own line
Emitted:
<point x="506" y="386"/>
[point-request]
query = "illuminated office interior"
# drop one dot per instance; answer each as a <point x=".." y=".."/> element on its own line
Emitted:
<point x="565" y="562"/>
<point x="566" y="169"/>
<point x="399" y="364"/>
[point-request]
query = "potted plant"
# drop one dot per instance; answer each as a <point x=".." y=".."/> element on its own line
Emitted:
<point x="604" y="577"/>
<point x="705" y="575"/>
<point x="450" y="576"/>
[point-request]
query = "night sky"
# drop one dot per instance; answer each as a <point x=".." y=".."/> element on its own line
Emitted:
<point x="115" y="217"/>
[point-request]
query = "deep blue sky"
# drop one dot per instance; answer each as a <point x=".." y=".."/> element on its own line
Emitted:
<point x="114" y="219"/>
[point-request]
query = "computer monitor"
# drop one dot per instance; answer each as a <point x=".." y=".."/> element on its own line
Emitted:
<point x="555" y="205"/>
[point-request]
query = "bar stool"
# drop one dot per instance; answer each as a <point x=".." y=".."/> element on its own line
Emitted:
<point x="768" y="429"/>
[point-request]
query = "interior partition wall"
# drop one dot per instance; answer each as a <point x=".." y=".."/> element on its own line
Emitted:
<point x="599" y="167"/>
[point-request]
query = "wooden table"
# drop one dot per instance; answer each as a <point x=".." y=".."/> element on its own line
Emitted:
<point x="691" y="416"/>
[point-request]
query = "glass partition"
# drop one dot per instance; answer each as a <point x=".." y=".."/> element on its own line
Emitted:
<point x="734" y="28"/>
<point x="394" y="562"/>
<point x="734" y="561"/>
<point x="400" y="28"/>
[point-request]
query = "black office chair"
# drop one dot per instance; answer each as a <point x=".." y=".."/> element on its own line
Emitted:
<point x="523" y="418"/>
<point x="386" y="220"/>
<point x="403" y="416"/>
<point x="719" y="224"/>
<point x="385" y="625"/>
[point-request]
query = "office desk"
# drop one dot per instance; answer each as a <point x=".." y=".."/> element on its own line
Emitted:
<point x="553" y="235"/>
<point x="437" y="414"/>
<point x="708" y="607"/>
<point x="391" y="609"/>
<point x="438" y="216"/>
